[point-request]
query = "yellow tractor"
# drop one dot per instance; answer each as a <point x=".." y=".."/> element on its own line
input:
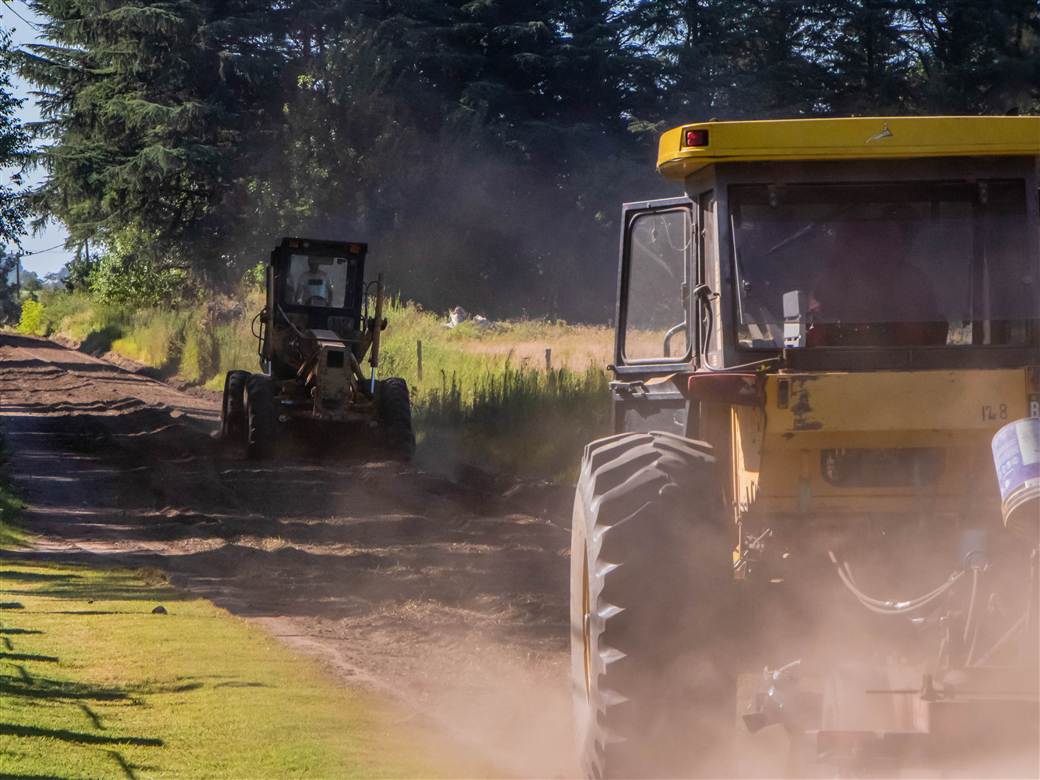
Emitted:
<point x="314" y="332"/>
<point x="813" y="537"/>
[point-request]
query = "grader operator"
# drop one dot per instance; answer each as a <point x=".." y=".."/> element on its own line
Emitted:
<point x="314" y="333"/>
<point x="823" y="349"/>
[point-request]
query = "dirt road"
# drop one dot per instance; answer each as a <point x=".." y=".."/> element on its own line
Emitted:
<point x="439" y="595"/>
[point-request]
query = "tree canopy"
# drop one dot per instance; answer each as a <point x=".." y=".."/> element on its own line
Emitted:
<point x="14" y="149"/>
<point x="482" y="148"/>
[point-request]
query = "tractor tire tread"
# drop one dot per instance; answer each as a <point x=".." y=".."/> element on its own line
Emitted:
<point x="649" y="508"/>
<point x="394" y="408"/>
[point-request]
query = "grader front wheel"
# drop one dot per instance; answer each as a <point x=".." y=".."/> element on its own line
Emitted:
<point x="233" y="406"/>
<point x="651" y="584"/>
<point x="260" y="416"/>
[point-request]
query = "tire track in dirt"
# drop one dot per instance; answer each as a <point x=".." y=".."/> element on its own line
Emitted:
<point x="446" y="598"/>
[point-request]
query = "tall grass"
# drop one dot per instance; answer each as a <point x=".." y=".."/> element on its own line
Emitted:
<point x="484" y="395"/>
<point x="519" y="420"/>
<point x="155" y="337"/>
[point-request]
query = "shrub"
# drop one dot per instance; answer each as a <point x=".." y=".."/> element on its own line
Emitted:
<point x="64" y="312"/>
<point x="254" y="279"/>
<point x="131" y="274"/>
<point x="31" y="321"/>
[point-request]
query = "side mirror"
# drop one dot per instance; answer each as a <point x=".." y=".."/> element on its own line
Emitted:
<point x="796" y="311"/>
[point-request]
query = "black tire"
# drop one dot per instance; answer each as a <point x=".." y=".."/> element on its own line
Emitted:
<point x="651" y="592"/>
<point x="260" y="416"/>
<point x="233" y="406"/>
<point x="394" y="407"/>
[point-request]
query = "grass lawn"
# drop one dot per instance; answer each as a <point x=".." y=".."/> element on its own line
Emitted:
<point x="10" y="532"/>
<point x="93" y="685"/>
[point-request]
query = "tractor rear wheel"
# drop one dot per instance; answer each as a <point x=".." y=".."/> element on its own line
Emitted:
<point x="651" y="587"/>
<point x="233" y="406"/>
<point x="260" y="416"/>
<point x="394" y="407"/>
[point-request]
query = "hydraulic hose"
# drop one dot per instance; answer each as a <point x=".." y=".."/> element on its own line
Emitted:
<point x="971" y="602"/>
<point x="888" y="606"/>
<point x="1015" y="628"/>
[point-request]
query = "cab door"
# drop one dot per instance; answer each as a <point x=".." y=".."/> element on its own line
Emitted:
<point x="656" y="331"/>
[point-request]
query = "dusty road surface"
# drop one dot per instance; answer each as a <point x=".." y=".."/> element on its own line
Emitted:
<point x="439" y="595"/>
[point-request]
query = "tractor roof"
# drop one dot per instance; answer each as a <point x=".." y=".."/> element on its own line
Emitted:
<point x="691" y="147"/>
<point x="322" y="245"/>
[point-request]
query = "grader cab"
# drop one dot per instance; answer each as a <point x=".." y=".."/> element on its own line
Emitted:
<point x="826" y="461"/>
<point x="314" y="334"/>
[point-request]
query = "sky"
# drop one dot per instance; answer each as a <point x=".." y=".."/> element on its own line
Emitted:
<point x="48" y="258"/>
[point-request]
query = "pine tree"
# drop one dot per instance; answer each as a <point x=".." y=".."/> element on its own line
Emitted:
<point x="867" y="57"/>
<point x="689" y="42"/>
<point x="14" y="151"/>
<point x="775" y="70"/>
<point x="147" y="104"/>
<point x="978" y="56"/>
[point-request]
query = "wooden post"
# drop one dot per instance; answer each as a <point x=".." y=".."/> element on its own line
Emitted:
<point x="418" y="357"/>
<point x="548" y="359"/>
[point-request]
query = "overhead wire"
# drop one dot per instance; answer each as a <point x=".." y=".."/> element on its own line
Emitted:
<point x="42" y="251"/>
<point x="34" y="25"/>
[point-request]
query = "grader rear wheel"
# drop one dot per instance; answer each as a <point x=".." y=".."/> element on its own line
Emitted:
<point x="394" y="407"/>
<point x="651" y="585"/>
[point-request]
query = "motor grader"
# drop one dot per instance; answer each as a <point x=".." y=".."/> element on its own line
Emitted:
<point x="314" y="333"/>
<point x="810" y="548"/>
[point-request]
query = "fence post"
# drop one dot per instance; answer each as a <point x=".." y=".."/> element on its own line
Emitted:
<point x="418" y="357"/>
<point x="548" y="359"/>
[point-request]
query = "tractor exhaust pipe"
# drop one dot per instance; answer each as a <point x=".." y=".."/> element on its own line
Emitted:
<point x="377" y="329"/>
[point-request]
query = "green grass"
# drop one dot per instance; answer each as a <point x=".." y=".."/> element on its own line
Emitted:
<point x="93" y="684"/>
<point x="517" y="421"/>
<point x="12" y="534"/>
<point x="486" y="397"/>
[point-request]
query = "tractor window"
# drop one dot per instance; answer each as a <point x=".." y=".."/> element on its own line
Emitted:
<point x="315" y="280"/>
<point x="911" y="264"/>
<point x="659" y="246"/>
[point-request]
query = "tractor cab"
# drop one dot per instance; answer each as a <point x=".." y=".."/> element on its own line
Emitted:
<point x="313" y="287"/>
<point x="834" y="245"/>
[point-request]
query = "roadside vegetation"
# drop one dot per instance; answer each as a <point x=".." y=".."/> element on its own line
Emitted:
<point x="486" y="394"/>
<point x="11" y="533"/>
<point x="95" y="683"/>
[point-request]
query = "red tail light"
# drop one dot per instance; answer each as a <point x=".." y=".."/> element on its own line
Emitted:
<point x="695" y="138"/>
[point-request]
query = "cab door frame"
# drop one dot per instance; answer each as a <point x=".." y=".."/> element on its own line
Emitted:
<point x="643" y="391"/>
